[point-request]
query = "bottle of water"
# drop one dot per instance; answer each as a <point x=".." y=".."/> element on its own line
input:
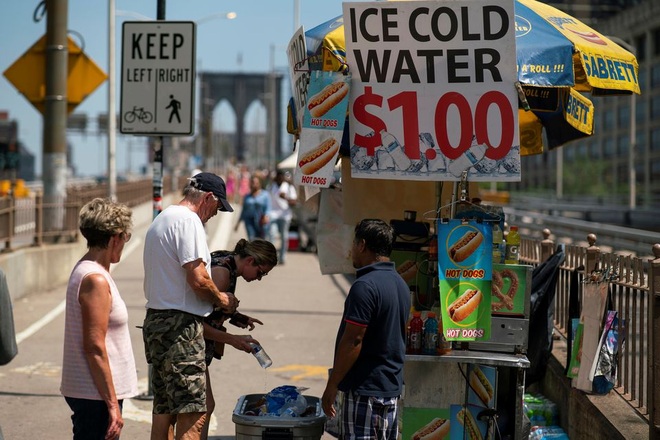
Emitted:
<point x="474" y="154"/>
<point x="436" y="160"/>
<point x="384" y="159"/>
<point x="264" y="360"/>
<point x="431" y="155"/>
<point x="392" y="145"/>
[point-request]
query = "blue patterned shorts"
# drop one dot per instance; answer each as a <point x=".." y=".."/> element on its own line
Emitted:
<point x="369" y="417"/>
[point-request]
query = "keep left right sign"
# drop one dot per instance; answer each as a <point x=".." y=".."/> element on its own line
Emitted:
<point x="158" y="78"/>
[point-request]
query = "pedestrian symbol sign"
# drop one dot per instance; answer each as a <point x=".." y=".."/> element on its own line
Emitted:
<point x="158" y="78"/>
<point x="174" y="106"/>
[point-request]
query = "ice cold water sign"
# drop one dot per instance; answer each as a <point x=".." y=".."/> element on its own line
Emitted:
<point x="433" y="90"/>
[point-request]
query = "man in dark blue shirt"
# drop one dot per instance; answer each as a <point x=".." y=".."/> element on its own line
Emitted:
<point x="370" y="347"/>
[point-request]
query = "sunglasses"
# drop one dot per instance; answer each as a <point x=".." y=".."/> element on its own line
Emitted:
<point x="261" y="273"/>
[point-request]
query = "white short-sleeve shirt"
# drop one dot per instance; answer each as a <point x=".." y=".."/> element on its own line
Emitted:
<point x="175" y="237"/>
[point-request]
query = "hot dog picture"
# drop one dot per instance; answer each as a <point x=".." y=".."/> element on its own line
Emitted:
<point x="407" y="270"/>
<point x="314" y="160"/>
<point x="436" y="429"/>
<point x="328" y="97"/>
<point x="470" y="426"/>
<point x="481" y="385"/>
<point x="464" y="305"/>
<point x="465" y="246"/>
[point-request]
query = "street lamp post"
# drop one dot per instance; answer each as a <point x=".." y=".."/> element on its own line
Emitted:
<point x="273" y="141"/>
<point x="112" y="120"/>
<point x="632" y="172"/>
<point x="632" y="176"/>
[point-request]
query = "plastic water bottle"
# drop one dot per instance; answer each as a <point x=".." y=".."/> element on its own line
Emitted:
<point x="430" y="334"/>
<point x="392" y="145"/>
<point x="512" y="246"/>
<point x="264" y="360"/>
<point x="435" y="161"/>
<point x="497" y="242"/>
<point x="384" y="159"/>
<point x="416" y="333"/>
<point x="474" y="154"/>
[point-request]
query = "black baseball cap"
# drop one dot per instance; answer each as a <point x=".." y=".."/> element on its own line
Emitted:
<point x="212" y="183"/>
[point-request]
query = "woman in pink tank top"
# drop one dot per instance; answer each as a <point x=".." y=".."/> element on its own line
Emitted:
<point x="98" y="367"/>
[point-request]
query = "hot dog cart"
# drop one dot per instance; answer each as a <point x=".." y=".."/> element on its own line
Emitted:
<point x="440" y="386"/>
<point x="420" y="145"/>
<point x="436" y="387"/>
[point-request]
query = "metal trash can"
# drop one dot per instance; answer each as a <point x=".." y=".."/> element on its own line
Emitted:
<point x="275" y="427"/>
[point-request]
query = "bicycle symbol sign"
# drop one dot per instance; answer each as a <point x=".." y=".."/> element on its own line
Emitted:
<point x="138" y="114"/>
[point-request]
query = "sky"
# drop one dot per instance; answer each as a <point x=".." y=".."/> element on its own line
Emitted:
<point x="244" y="44"/>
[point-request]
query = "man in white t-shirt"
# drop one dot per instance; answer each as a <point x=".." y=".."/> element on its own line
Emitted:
<point x="282" y="196"/>
<point x="180" y="293"/>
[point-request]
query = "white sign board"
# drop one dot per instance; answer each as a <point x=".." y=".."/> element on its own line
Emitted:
<point x="433" y="92"/>
<point x="298" y="71"/>
<point x="158" y="78"/>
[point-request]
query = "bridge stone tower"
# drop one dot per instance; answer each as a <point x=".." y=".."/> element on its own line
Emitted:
<point x="240" y="90"/>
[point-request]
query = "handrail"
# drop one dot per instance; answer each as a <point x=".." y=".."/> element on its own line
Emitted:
<point x="635" y="294"/>
<point x="621" y="240"/>
<point x="22" y="218"/>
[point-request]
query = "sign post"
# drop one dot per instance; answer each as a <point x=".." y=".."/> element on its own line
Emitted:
<point x="158" y="85"/>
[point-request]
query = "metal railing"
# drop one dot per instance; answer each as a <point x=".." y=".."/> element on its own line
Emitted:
<point x="618" y="239"/>
<point x="22" y="219"/>
<point x="635" y="295"/>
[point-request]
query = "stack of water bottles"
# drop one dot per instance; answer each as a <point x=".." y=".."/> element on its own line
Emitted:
<point x="547" y="433"/>
<point x="540" y="410"/>
<point x="544" y="418"/>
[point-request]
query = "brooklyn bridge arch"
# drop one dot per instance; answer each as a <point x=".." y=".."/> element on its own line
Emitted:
<point x="239" y="90"/>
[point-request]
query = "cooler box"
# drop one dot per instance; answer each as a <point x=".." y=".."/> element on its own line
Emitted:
<point x="274" y="427"/>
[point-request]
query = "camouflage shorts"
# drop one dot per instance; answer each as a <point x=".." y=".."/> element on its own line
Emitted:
<point x="174" y="346"/>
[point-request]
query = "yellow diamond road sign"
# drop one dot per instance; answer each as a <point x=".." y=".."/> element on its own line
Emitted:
<point x="28" y="75"/>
